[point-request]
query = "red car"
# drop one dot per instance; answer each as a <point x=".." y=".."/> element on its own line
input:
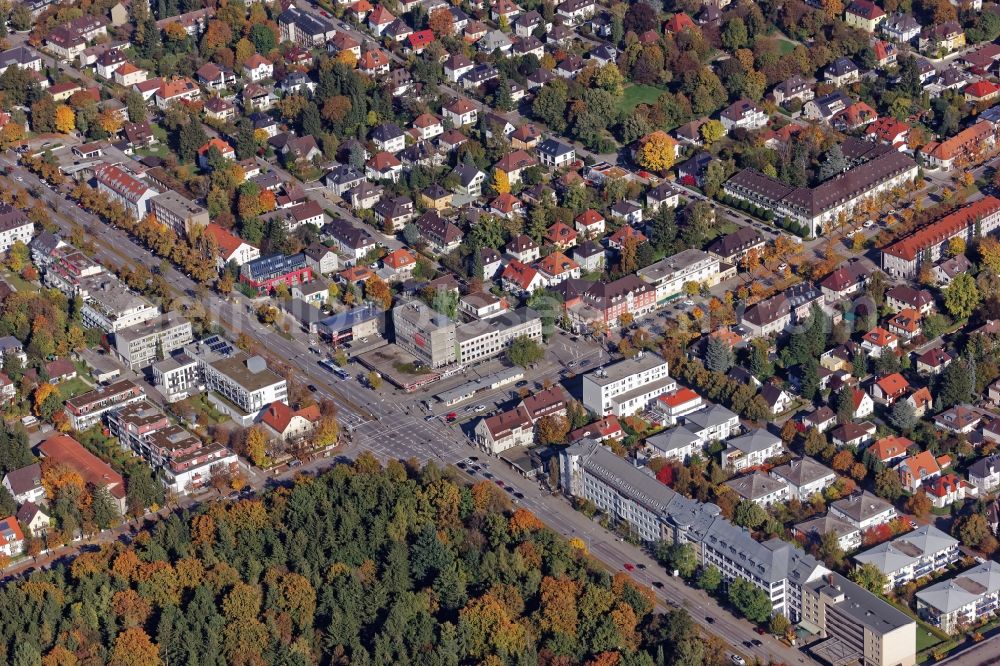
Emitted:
<point x="451" y="416"/>
<point x="629" y="567"/>
<point x="498" y="482"/>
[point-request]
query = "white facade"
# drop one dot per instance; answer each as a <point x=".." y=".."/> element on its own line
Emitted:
<point x="627" y="387"/>
<point x="671" y="274"/>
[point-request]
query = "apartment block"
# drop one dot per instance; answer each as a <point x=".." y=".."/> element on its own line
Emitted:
<point x="86" y="409"/>
<point x="143" y="344"/>
<point x="178" y="377"/>
<point x="858" y="627"/>
<point x="627" y="387"/>
<point x="124" y="188"/>
<point x="14" y="227"/>
<point x="111" y="306"/>
<point x="962" y="600"/>
<point x="913" y="555"/>
<point x="178" y="212"/>
<point x="671" y="274"/>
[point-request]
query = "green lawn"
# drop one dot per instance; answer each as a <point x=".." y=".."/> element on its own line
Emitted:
<point x="73" y="387"/>
<point x="925" y="639"/>
<point x="785" y="47"/>
<point x="639" y="94"/>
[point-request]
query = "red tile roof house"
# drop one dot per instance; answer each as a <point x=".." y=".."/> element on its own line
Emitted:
<point x="888" y="130"/>
<point x="590" y="223"/>
<point x="605" y="429"/>
<point x="981" y="91"/>
<point x="917" y="469"/>
<point x="890" y="388"/>
<point x="948" y="489"/>
<point x="11" y="537"/>
<point x="878" y="341"/>
<point x="561" y="236"/>
<point x="890" y="449"/>
<point x="672" y="406"/>
<point x="64" y="450"/>
<point x="287" y="424"/>
<point x="520" y="278"/>
<point x="921" y="400"/>
<point x="905" y="324"/>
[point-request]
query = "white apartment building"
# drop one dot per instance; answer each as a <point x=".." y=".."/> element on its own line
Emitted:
<point x="752" y="449"/>
<point x="910" y="556"/>
<point x="486" y="338"/>
<point x="505" y="430"/>
<point x="857" y="624"/>
<point x="805" y="477"/>
<point x="671" y="274"/>
<point x="178" y="377"/>
<point x="86" y="409"/>
<point x="246" y="382"/>
<point x="863" y="510"/>
<point x="143" y="344"/>
<point x="111" y="306"/>
<point x="14" y="227"/>
<point x="627" y="387"/>
<point x="963" y="600"/>
<point x="124" y="188"/>
<point x="715" y="423"/>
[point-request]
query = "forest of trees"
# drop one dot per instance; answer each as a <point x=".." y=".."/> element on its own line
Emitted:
<point x="363" y="565"/>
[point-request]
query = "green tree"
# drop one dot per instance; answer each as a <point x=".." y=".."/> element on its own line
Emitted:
<point x="903" y="416"/>
<point x="524" y="351"/>
<point x="888" y="485"/>
<point x="958" y="382"/>
<point x="263" y="38"/>
<point x="734" y="34"/>
<point x="845" y="404"/>
<point x="710" y="579"/>
<point x="870" y="577"/>
<point x="750" y="601"/>
<point x="749" y="514"/>
<point x="962" y="297"/>
<point x="718" y="355"/>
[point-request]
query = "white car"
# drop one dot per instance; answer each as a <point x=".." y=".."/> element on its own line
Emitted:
<point x="480" y="408"/>
<point x="738" y="660"/>
<point x="868" y="224"/>
<point x="782" y="267"/>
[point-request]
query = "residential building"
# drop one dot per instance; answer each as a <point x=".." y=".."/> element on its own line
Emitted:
<point x="87" y="409"/>
<point x="245" y="382"/>
<point x="864" y="15"/>
<point x="947" y="489"/>
<point x="628" y="386"/>
<point x="751" y="450"/>
<point x="64" y="450"/>
<point x="772" y="315"/>
<point x="554" y="153"/>
<point x="984" y="474"/>
<point x="178" y="212"/>
<point x="25" y="484"/>
<point x="505" y="430"/>
<point x="821" y="206"/>
<point x="11" y="537"/>
<point x="265" y="273"/>
<point x="289" y="424"/>
<point x="905" y="257"/>
<point x="131" y="192"/>
<point x="670" y="407"/>
<point x="863" y="510"/>
<point x="922" y="552"/>
<point x="759" y="489"/>
<point x="961" y="601"/>
<point x="143" y="344"/>
<point x="857" y="625"/>
<point x="231" y="248"/>
<point x="304" y="28"/>
<point x="743" y="114"/>
<point x="109" y="305"/>
<point x="805" y="477"/>
<point x="732" y="248"/>
<point x="485" y="338"/>
<point x="964" y="147"/>
<point x="715" y="423"/>
<point x="669" y="276"/>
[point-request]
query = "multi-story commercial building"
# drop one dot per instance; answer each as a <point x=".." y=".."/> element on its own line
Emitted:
<point x="628" y="386"/>
<point x="178" y="212"/>
<point x="905" y="257"/>
<point x="819" y="207"/>
<point x="486" y="338"/>
<point x="303" y="28"/>
<point x="87" y="408"/>
<point x="425" y="333"/>
<point x="963" y="600"/>
<point x="111" y="306"/>
<point x="14" y="227"/>
<point x="671" y="274"/>
<point x="124" y="188"/>
<point x="858" y="626"/>
<point x="143" y="344"/>
<point x="910" y="556"/>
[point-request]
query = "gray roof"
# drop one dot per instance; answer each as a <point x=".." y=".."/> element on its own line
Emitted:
<point x="674" y="439"/>
<point x="771" y="561"/>
<point x="625" y="368"/>
<point x="25" y="478"/>
<point x="826" y="523"/>
<point x="755" y="485"/>
<point x="862" y="506"/>
<point x="966" y="588"/>
<point x="802" y="472"/>
<point x="711" y="416"/>
<point x="861" y="605"/>
<point x="907" y="549"/>
<point x="753" y="441"/>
